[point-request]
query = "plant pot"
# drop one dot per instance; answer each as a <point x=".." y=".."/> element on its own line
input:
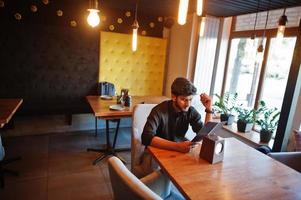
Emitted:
<point x="242" y="126"/>
<point x="228" y="118"/>
<point x="265" y="136"/>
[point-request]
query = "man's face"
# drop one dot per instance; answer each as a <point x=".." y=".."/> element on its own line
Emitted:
<point x="182" y="102"/>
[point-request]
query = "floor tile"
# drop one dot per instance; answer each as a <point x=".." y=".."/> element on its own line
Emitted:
<point x="35" y="189"/>
<point x="28" y="168"/>
<point x="82" y="185"/>
<point x="67" y="163"/>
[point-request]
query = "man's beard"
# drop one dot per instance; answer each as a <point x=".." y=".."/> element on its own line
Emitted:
<point x="181" y="109"/>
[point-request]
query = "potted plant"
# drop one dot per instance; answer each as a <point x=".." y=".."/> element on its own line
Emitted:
<point x="267" y="119"/>
<point x="225" y="106"/>
<point x="246" y="119"/>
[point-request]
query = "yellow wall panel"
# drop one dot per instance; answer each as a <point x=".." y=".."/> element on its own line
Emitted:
<point x="141" y="72"/>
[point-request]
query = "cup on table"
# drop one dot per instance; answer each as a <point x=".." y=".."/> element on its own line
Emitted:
<point x="194" y="149"/>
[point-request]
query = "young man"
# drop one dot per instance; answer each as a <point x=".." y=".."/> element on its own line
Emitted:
<point x="168" y="122"/>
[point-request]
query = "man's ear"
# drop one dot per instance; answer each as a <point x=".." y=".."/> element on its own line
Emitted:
<point x="173" y="97"/>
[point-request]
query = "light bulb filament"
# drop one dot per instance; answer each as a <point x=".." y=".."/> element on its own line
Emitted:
<point x="93" y="17"/>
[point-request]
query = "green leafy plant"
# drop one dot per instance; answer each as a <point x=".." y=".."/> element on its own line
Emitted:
<point x="267" y="118"/>
<point x="245" y="115"/>
<point x="225" y="104"/>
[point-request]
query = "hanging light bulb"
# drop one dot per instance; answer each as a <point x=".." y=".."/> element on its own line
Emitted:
<point x="199" y="7"/>
<point x="202" y="27"/>
<point x="135" y="35"/>
<point x="281" y="25"/>
<point x="93" y="17"/>
<point x="183" y="9"/>
<point x="135" y="27"/>
<point x="259" y="52"/>
<point x="260" y="48"/>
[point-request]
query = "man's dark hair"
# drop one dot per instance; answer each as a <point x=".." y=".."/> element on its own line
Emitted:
<point x="182" y="87"/>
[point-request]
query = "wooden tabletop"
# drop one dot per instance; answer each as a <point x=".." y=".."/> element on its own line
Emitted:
<point x="101" y="108"/>
<point x="244" y="174"/>
<point x="8" y="107"/>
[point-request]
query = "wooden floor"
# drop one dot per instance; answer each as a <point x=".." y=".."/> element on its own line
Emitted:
<point x="57" y="166"/>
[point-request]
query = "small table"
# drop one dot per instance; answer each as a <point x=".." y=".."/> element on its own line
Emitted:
<point x="101" y="110"/>
<point x="244" y="173"/>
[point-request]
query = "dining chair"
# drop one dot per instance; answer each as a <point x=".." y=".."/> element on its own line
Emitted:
<point x="3" y="162"/>
<point x="127" y="185"/>
<point x="141" y="162"/>
<point x="291" y="159"/>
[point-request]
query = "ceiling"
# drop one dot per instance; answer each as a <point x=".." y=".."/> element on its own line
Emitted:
<point x="220" y="8"/>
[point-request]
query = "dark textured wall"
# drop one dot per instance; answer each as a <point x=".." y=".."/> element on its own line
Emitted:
<point x="52" y="67"/>
<point x="48" y="62"/>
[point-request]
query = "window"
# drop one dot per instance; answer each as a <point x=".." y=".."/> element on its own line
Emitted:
<point x="243" y="70"/>
<point x="277" y="69"/>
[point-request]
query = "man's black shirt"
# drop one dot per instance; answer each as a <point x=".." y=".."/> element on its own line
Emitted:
<point x="166" y="123"/>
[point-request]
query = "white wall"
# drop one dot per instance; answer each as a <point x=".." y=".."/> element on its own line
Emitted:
<point x="178" y="59"/>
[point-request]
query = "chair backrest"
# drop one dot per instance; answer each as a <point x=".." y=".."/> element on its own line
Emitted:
<point x="126" y="185"/>
<point x="106" y="88"/>
<point x="2" y="152"/>
<point x="291" y="159"/>
<point x="140" y="114"/>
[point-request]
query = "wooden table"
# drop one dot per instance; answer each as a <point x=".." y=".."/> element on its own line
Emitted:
<point x="101" y="110"/>
<point x="8" y="107"/>
<point x="244" y="174"/>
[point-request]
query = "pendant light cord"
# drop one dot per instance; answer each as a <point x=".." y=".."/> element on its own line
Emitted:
<point x="284" y="7"/>
<point x="267" y="19"/>
<point x="136" y="10"/>
<point x="258" y="2"/>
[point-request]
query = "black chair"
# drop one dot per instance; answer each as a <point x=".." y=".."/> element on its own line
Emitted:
<point x="3" y="162"/>
<point x="106" y="88"/>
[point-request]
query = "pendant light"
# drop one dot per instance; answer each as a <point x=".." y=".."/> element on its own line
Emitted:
<point x="260" y="48"/>
<point x="202" y="26"/>
<point x="135" y="27"/>
<point x="199" y="7"/>
<point x="281" y="25"/>
<point x="182" y="13"/>
<point x="93" y="17"/>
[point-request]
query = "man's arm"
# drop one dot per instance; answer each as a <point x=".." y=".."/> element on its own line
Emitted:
<point x="206" y="101"/>
<point x="208" y="117"/>
<point x="170" y="145"/>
